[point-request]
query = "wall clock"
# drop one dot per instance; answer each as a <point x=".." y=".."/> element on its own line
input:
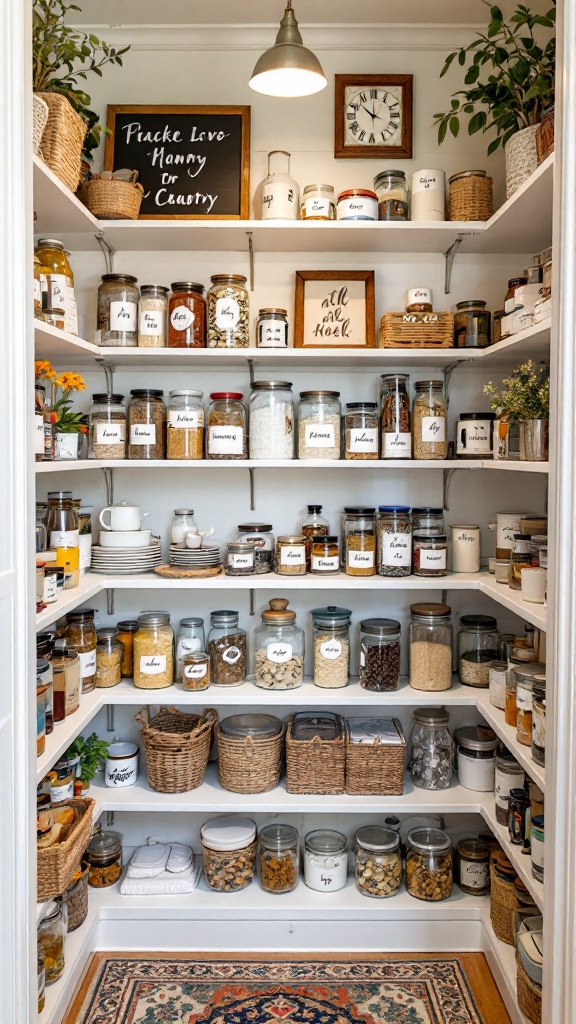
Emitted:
<point x="373" y="116"/>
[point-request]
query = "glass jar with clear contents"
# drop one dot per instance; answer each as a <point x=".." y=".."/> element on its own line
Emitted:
<point x="431" y="758"/>
<point x="319" y="417"/>
<point x="429" y="434"/>
<point x="107" y="427"/>
<point x="279" y="648"/>
<point x="359" y="541"/>
<point x="522" y="552"/>
<point x="227" y="435"/>
<point x="395" y="419"/>
<point x="152" y="312"/>
<point x="430" y="647"/>
<point x="278" y="858"/>
<point x="261" y="537"/>
<point x="185" y="426"/>
<point x="59" y="282"/>
<point x="428" y="522"/>
<point x="379" y="654"/>
<point x="117" y="323"/>
<point x="187" y="316"/>
<point x="394" y="529"/>
<point x="80" y="636"/>
<point x="153" y="651"/>
<point x="191" y="639"/>
<point x="429" y="864"/>
<point x="378" y="861"/>
<point x="361" y="423"/>
<point x="228" y="317"/>
<point x="477" y="649"/>
<point x="318" y="203"/>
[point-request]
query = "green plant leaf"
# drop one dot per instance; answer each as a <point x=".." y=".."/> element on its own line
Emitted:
<point x="454" y="126"/>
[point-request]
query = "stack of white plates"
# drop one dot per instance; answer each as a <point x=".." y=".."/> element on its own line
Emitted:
<point x="126" y="561"/>
<point x="195" y="558"/>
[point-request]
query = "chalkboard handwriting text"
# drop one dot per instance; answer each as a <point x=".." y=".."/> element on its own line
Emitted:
<point x="170" y="135"/>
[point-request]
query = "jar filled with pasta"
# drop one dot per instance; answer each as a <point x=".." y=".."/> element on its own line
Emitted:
<point x="109" y="656"/>
<point x="154" y="651"/>
<point x="228" y="316"/>
<point x="185" y="425"/>
<point x="359" y="543"/>
<point x="430" y="440"/>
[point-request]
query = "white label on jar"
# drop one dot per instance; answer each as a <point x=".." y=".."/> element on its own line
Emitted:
<point x="143" y="433"/>
<point x="424" y="181"/>
<point x="473" y="875"/>
<point x="329" y="564"/>
<point x="523" y="698"/>
<point x="433" y="559"/>
<point x="279" y="653"/>
<point x="57" y="285"/>
<point x="185" y="418"/>
<point x="87" y="663"/>
<point x="225" y="441"/>
<point x="397" y="446"/>
<point x="504" y="782"/>
<point x="292" y="554"/>
<point x="360" y="559"/>
<point x="110" y="433"/>
<point x="188" y="645"/>
<point x="64" y="538"/>
<point x="151" y="323"/>
<point x="510" y="304"/>
<point x="152" y="664"/>
<point x="331" y="649"/>
<point x="279" y="199"/>
<point x="363" y="440"/>
<point x="39" y="434"/>
<point x="227" y="314"/>
<point x="433" y="428"/>
<point x="70" y="311"/>
<point x="316" y="208"/>
<point x="245" y="561"/>
<point x="396" y="549"/>
<point x="231" y="655"/>
<point x="358" y="207"/>
<point x="123" y="316"/>
<point x="537" y="851"/>
<point x="195" y="671"/>
<point x="181" y="318"/>
<point x="50" y="588"/>
<point x="476" y="437"/>
<point x="58" y="794"/>
<point x="362" y="658"/>
<point x="476" y="773"/>
<point x="538" y="727"/>
<point x="272" y="334"/>
<point x="319" y="435"/>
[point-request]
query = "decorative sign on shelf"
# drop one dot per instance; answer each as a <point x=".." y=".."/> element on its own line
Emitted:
<point x="192" y="161"/>
<point x="334" y="309"/>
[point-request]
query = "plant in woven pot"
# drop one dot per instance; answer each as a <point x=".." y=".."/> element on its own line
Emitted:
<point x="510" y="83"/>
<point x="525" y="399"/>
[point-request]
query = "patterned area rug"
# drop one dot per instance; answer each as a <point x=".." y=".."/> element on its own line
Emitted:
<point x="281" y="991"/>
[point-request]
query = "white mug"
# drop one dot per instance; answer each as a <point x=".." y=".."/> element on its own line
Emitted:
<point x="122" y="765"/>
<point x="193" y="539"/>
<point x="465" y="548"/>
<point x="534" y="584"/>
<point x="123" y="517"/>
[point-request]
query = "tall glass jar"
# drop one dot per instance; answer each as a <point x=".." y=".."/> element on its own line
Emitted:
<point x="278" y="858"/>
<point x="109" y="656"/>
<point x="279" y="648"/>
<point x="429" y="433"/>
<point x="107" y="429"/>
<point x="391" y="189"/>
<point x="395" y="419"/>
<point x="80" y="636"/>
<point x="430" y="647"/>
<point x="146" y="424"/>
<point x="191" y="639"/>
<point x="314" y="525"/>
<point x="187" y="316"/>
<point x="228" y="312"/>
<point x="431" y="758"/>
<point x="154" y="651"/>
<point x="271" y="415"/>
<point x="378" y="861"/>
<point x="318" y="203"/>
<point x="477" y="649"/>
<point x="331" y="633"/>
<point x="359" y="541"/>
<point x="262" y="539"/>
<point x="185" y="425"/>
<point x="394" y="528"/>
<point x="117" y="323"/>
<point x="539" y="719"/>
<point x="429" y="864"/>
<point x="319" y="416"/>
<point x="63" y="530"/>
<point x="227" y="436"/>
<point x="59" y="281"/>
<point x="127" y="629"/>
<point x="380" y="654"/>
<point x="227" y="649"/>
<point x="66" y="681"/>
<point x="361" y="430"/>
<point x="152" y="312"/>
<point x="52" y="932"/>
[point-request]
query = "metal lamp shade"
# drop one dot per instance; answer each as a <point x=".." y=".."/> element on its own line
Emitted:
<point x="288" y="68"/>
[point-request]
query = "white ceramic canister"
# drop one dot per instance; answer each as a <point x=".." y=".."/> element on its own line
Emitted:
<point x="497" y="674"/>
<point x="507" y="525"/>
<point x="465" y="548"/>
<point x="280" y="192"/>
<point x="475" y="435"/>
<point x="428" y="195"/>
<point x="121" y="766"/>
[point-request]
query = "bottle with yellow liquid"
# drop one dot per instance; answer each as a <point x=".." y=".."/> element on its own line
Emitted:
<point x="64" y="536"/>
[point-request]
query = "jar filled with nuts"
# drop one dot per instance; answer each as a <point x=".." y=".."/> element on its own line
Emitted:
<point x="229" y="848"/>
<point x="431" y="759"/>
<point x="378" y="861"/>
<point x="227" y="436"/>
<point x="430" y="440"/>
<point x="227" y="649"/>
<point x="279" y="648"/>
<point x="359" y="543"/>
<point x="331" y="628"/>
<point x="278" y="858"/>
<point x="429" y="864"/>
<point x="228" y="316"/>
<point x="394" y="529"/>
<point x="380" y="654"/>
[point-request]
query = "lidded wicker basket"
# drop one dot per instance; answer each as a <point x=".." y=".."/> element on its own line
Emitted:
<point x="470" y="196"/>
<point x="317" y="764"/>
<point x="250" y="752"/>
<point x="177" y="746"/>
<point x="375" y="768"/>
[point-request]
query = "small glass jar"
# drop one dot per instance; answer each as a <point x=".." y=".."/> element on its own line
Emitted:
<point x="319" y="417"/>
<point x="429" y="555"/>
<point x="279" y="648"/>
<point x="272" y="328"/>
<point x="152" y="312"/>
<point x="291" y="555"/>
<point x="229" y="848"/>
<point x="117" y="323"/>
<point x="191" y="640"/>
<point x="497" y="675"/>
<point x="260" y="536"/>
<point x="45" y="678"/>
<point x="80" y="636"/>
<point x="471" y="324"/>
<point x="227" y="649"/>
<point x="104" y="855"/>
<point x="539" y="719"/>
<point x="361" y="423"/>
<point x="508" y="775"/>
<point x="513" y="284"/>
<point x="228" y="316"/>
<point x="127" y="629"/>
<point x="183" y="523"/>
<point x="378" y="862"/>
<point x="521" y="555"/>
<point x="430" y="440"/>
<point x="477" y="649"/>
<point x="185" y="425"/>
<point x="357" y="204"/>
<point x="431" y="758"/>
<point x="325" y="860"/>
<point x="380" y="655"/>
<point x="107" y="427"/>
<point x="278" y="858"/>
<point x="318" y="203"/>
<point x="537" y="847"/>
<point x="510" y="708"/>
<point x="41" y="691"/>
<point x="331" y="635"/>
<point x="109" y="656"/>
<point x="271" y="418"/>
<point x="153" y="651"/>
<point x="395" y="419"/>
<point x="240" y="559"/>
<point x="227" y="436"/>
<point x="324" y="556"/>
<point x="66" y="681"/>
<point x="391" y="189"/>
<point x="518" y="808"/>
<point x="187" y="316"/>
<point x="524" y="706"/>
<point x="41" y="972"/>
<point x="146" y="424"/>
<point x="473" y="858"/>
<point x="497" y="317"/>
<point x="394" y="528"/>
<point x="428" y="522"/>
<point x="314" y="525"/>
<point x="476" y="747"/>
<point x="52" y="932"/>
<point x="430" y="647"/>
<point x="429" y="864"/>
<point x="359" y="541"/>
<point x="196" y="671"/>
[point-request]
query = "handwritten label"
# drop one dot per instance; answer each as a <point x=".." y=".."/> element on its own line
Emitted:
<point x="316" y="208"/>
<point x="181" y="318"/>
<point x="38" y="434"/>
<point x="151" y="323"/>
<point x="143" y="433"/>
<point x="433" y="559"/>
<point x="181" y="419"/>
<point x="364" y="439"/>
<point x="360" y="559"/>
<point x="241" y="561"/>
<point x="331" y="649"/>
<point x="279" y="653"/>
<point x="322" y="564"/>
<point x="397" y="446"/>
<point x="227" y="314"/>
<point x="87" y="663"/>
<point x="110" y="433"/>
<point x="319" y="435"/>
<point x="225" y="441"/>
<point x="152" y="664"/>
<point x="279" y="200"/>
<point x="195" y="671"/>
<point x="433" y="429"/>
<point x="272" y="334"/>
<point x="292" y="554"/>
<point x="396" y="549"/>
<point x="123" y="316"/>
<point x="474" y="875"/>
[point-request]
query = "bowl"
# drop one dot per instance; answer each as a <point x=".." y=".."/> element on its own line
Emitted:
<point x="125" y="538"/>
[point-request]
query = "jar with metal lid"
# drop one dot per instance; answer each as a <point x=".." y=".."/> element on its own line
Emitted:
<point x="45" y="677"/>
<point x="394" y="529"/>
<point x="319" y="417"/>
<point x="271" y="417"/>
<point x="476" y="746"/>
<point x="313" y="525"/>
<point x="377" y="861"/>
<point x="260" y="536"/>
<point x="59" y="292"/>
<point x="429" y="864"/>
<point x="66" y="681"/>
<point x="279" y="648"/>
<point x="52" y="932"/>
<point x="227" y="649"/>
<point x="63" y="529"/>
<point x="146" y="424"/>
<point x="513" y="284"/>
<point x="392" y="193"/>
<point x="331" y="634"/>
<point x="183" y="523"/>
<point x="278" y="858"/>
<point x="324" y="556"/>
<point x="152" y="311"/>
<point x="187" y="315"/>
<point x="358" y="204"/>
<point x="117" y="322"/>
<point x="185" y="425"/>
<point x="291" y="555"/>
<point x="497" y="675"/>
<point x="361" y="423"/>
<point x="430" y="647"/>
<point x="325" y="860"/>
<point x="104" y="855"/>
<point x="395" y="419"/>
<point x="539" y="719"/>
<point x="475" y="435"/>
<point x="229" y="848"/>
<point x="80" y="636"/>
<point x="107" y="427"/>
<point x="228" y="319"/>
<point x="429" y="554"/>
<point x="477" y="649"/>
<point x="318" y="203"/>
<point x="154" y="651"/>
<point x="518" y="808"/>
<point x="508" y="775"/>
<point x="359" y="541"/>
<point x="109" y="656"/>
<point x="272" y="328"/>
<point x="380" y="655"/>
<point x="521" y="555"/>
<point x="227" y="436"/>
<point x="429" y="436"/>
<point x="537" y="847"/>
<point x="190" y="640"/>
<point x="428" y="522"/>
<point x="472" y="324"/>
<point x="473" y="859"/>
<point x="431" y="757"/>
<point x="196" y="671"/>
<point x="127" y="630"/>
<point x="240" y="558"/>
<point x="470" y="196"/>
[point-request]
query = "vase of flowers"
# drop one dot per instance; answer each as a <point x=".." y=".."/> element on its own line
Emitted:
<point x="67" y="426"/>
<point x="525" y="400"/>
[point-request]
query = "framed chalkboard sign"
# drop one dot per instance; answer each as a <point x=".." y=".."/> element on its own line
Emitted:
<point x="193" y="162"/>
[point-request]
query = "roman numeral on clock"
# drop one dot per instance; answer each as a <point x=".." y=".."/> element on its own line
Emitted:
<point x="362" y="136"/>
<point x="386" y="134"/>
<point x="355" y="127"/>
<point x="372" y="139"/>
<point x="394" y="115"/>
<point x="351" y="117"/>
<point x="363" y="97"/>
<point x="373" y="94"/>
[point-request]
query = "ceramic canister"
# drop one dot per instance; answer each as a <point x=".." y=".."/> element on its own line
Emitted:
<point x="465" y="548"/>
<point x="428" y="195"/>
<point x="122" y="765"/>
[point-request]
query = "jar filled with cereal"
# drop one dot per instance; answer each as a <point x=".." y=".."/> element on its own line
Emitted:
<point x="185" y="425"/>
<point x="429" y="864"/>
<point x="229" y="848"/>
<point x="378" y="861"/>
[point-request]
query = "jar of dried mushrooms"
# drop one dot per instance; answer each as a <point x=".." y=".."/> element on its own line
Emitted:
<point x="430" y="437"/>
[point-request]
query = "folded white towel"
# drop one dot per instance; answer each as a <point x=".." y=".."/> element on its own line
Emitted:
<point x="165" y="884"/>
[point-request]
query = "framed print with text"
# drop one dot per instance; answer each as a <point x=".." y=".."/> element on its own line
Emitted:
<point x="334" y="309"/>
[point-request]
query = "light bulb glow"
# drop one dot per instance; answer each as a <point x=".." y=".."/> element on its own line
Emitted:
<point x="288" y="82"/>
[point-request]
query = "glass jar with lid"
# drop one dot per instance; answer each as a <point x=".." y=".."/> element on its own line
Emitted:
<point x="394" y="528"/>
<point x="117" y="322"/>
<point x="325" y="860"/>
<point x="497" y="675"/>
<point x="278" y="858"/>
<point x="185" y="425"/>
<point x="318" y="203"/>
<point x="59" y="279"/>
<point x="521" y="555"/>
<point x="183" y="523"/>
<point x="478" y="640"/>
<point x="191" y="639"/>
<point x="395" y="419"/>
<point x="227" y="649"/>
<point x="80" y="636"/>
<point x="39" y="412"/>
<point x="66" y="681"/>
<point x="271" y="418"/>
<point x="279" y="648"/>
<point x="319" y="417"/>
<point x="109" y="656"/>
<point x="272" y="328"/>
<point x="391" y="189"/>
<point x="359" y="541"/>
<point x="187" y="316"/>
<point x="52" y="932"/>
<point x="63" y="529"/>
<point x="476" y="746"/>
<point x="522" y="682"/>
<point x="429" y="554"/>
<point x="357" y="204"/>
<point x="331" y="634"/>
<point x="378" y="861"/>
<point x="127" y="629"/>
<point x="229" y="848"/>
<point x="513" y="285"/>
<point x="262" y="539"/>
<point x="508" y="775"/>
<point x="45" y="678"/>
<point x="153" y="651"/>
<point x="539" y="719"/>
<point x="324" y="555"/>
<point x="104" y="855"/>
<point x="429" y="434"/>
<point x="313" y="525"/>
<point x="428" y="522"/>
<point x="379" y="654"/>
<point x="291" y="555"/>
<point x="227" y="436"/>
<point x="146" y="415"/>
<point x="152" y="313"/>
<point x="431" y="757"/>
<point x="473" y="866"/>
<point x="471" y="324"/>
<point x="228" y="317"/>
<point x="429" y="864"/>
<point x="361" y="422"/>
<point x="196" y="671"/>
<point x="239" y="558"/>
<point x="107" y="427"/>
<point x="430" y="647"/>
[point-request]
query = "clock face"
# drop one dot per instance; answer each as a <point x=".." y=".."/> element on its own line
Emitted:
<point x="373" y="116"/>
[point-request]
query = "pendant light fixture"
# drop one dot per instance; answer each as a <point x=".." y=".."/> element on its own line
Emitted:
<point x="288" y="68"/>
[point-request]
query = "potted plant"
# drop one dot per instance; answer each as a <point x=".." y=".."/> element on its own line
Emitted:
<point x="88" y="756"/>
<point x="67" y="426"/>
<point x="525" y="399"/>
<point x="518" y="87"/>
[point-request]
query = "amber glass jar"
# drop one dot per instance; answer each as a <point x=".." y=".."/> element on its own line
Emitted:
<point x="126" y="630"/>
<point x="80" y="636"/>
<point x="187" y="316"/>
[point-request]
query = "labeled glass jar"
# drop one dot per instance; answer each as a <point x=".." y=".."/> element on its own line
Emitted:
<point x="539" y="719"/>
<point x="429" y="435"/>
<point x="196" y="671"/>
<point x="430" y="647"/>
<point x="357" y="204"/>
<point x="313" y="525"/>
<point x="279" y="648"/>
<point x="227" y="436"/>
<point x="66" y="681"/>
<point x="41" y="691"/>
<point x="229" y="848"/>
<point x="271" y="418"/>
<point x="331" y="635"/>
<point x="272" y="328"/>
<point x="318" y="203"/>
<point x="395" y="419"/>
<point x="524" y="706"/>
<point x="429" y="555"/>
<point x="473" y="858"/>
<point x="127" y="630"/>
<point x="191" y="640"/>
<point x="361" y="423"/>
<point x="63" y="529"/>
<point x="478" y="640"/>
<point x="185" y="425"/>
<point x="59" y="279"/>
<point x="154" y="651"/>
<point x="80" y="636"/>
<point x="359" y="541"/>
<point x="291" y="555"/>
<point x="471" y="324"/>
<point x="146" y="424"/>
<point x="227" y="649"/>
<point x="324" y="556"/>
<point x="518" y="809"/>
<point x="513" y="285"/>
<point x="117" y="321"/>
<point x="508" y="775"/>
<point x="380" y="655"/>
<point x="45" y="678"/>
<point x="52" y="932"/>
<point x="510" y="709"/>
<point x="187" y="316"/>
<point x="240" y="558"/>
<point x="152" y="313"/>
<point x="319" y="417"/>
<point x="476" y="746"/>
<point x="228" y="315"/>
<point x="429" y="864"/>
<point x="431" y="757"/>
<point x="278" y="858"/>
<point x="107" y="427"/>
<point x="325" y="860"/>
<point x="392" y="192"/>
<point x="429" y="522"/>
<point x="104" y="855"/>
<point x="109" y="656"/>
<point x="497" y="675"/>
<point x="394" y="529"/>
<point x="262" y="540"/>
<point x="378" y="861"/>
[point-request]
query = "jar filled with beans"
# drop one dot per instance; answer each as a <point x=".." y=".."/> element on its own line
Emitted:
<point x="380" y="654"/>
<point x="229" y="848"/>
<point x="378" y="861"/>
<point x="228" y="315"/>
<point x="394" y="529"/>
<point x="429" y="864"/>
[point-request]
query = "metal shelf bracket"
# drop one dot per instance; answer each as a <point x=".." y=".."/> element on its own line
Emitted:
<point x="447" y="480"/>
<point x="252" y="491"/>
<point x="109" y="371"/>
<point x="110" y="602"/>
<point x="251" y="257"/>
<point x="109" y="478"/>
<point x="110" y="718"/>
<point x="107" y="251"/>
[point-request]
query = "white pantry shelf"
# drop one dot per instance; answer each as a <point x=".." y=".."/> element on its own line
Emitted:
<point x="495" y="719"/>
<point x="521" y="861"/>
<point x="58" y="212"/>
<point x="394" y="465"/>
<point x="65" y="732"/>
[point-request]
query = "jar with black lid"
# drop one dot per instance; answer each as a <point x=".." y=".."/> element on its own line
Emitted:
<point x="471" y="324"/>
<point x="146" y="424"/>
<point x="475" y="435"/>
<point x="187" y="316"/>
<point x="428" y="522"/>
<point x="260" y="536"/>
<point x="473" y="866"/>
<point x="107" y="430"/>
<point x="477" y="649"/>
<point x="118" y="311"/>
<point x="513" y="284"/>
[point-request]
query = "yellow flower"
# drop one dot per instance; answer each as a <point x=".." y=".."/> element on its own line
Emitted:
<point x="70" y="381"/>
<point x="42" y="368"/>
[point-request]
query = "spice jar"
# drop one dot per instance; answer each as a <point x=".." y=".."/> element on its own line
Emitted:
<point x="394" y="529"/>
<point x="80" y="636"/>
<point x="291" y="555"/>
<point x="152" y="311"/>
<point x="59" y="279"/>
<point x="109" y="655"/>
<point x="471" y="324"/>
<point x="429" y="522"/>
<point x="314" y="525"/>
<point x="429" y="864"/>
<point x="319" y="416"/>
<point x="318" y="203"/>
<point x="380" y="654"/>
<point x="229" y="848"/>
<point x="227" y="434"/>
<point x="126" y="631"/>
<point x="430" y="647"/>
<point x="52" y="932"/>
<point x="66" y="681"/>
<point x="508" y="775"/>
<point x="259" y="535"/>
<point x="240" y="559"/>
<point x="271" y="420"/>
<point x="331" y="634"/>
<point x="324" y="556"/>
<point x="395" y="420"/>
<point x="187" y="316"/>
<point x="518" y="808"/>
<point x="278" y="858"/>
<point x="429" y="555"/>
<point x="391" y="189"/>
<point x="513" y="285"/>
<point x="117" y="322"/>
<point x="185" y="425"/>
<point x="378" y="861"/>
<point x="477" y="649"/>
<point x="153" y="651"/>
<point x="497" y="674"/>
<point x="104" y="855"/>
<point x="325" y="860"/>
<point x="537" y="847"/>
<point x="539" y="719"/>
<point x="146" y="424"/>
<point x="361" y="423"/>
<point x="431" y="749"/>
<point x="272" y="328"/>
<point x="279" y="648"/>
<point x="473" y="867"/>
<point x="475" y="435"/>
<point x="107" y="427"/>
<point x="228" y="323"/>
<point x="429" y="421"/>
<point x="359" y="542"/>
<point x="191" y="640"/>
<point x="227" y="649"/>
<point x="476" y="747"/>
<point x="358" y="204"/>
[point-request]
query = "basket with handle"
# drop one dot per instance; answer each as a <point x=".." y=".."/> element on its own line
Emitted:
<point x="177" y="747"/>
<point x="112" y="198"/>
<point x="249" y="764"/>
<point x="57" y="864"/>
<point x="63" y="139"/>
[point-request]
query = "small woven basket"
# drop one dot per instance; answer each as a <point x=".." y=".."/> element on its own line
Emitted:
<point x="76" y="899"/>
<point x="39" y="119"/>
<point x="376" y="769"/>
<point x="470" y="197"/>
<point x="316" y="765"/>
<point x="417" y="330"/>
<point x="112" y="199"/>
<point x="57" y="864"/>
<point x="529" y="995"/>
<point x="63" y="139"/>
<point x="177" y="747"/>
<point x="249" y="764"/>
<point x="503" y="906"/>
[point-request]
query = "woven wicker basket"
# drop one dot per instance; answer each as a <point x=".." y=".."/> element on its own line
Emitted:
<point x="470" y="197"/>
<point x="39" y="119"/>
<point x="76" y="899"/>
<point x="315" y="766"/>
<point x="417" y="330"/>
<point x="112" y="199"/>
<point x="177" y="747"/>
<point x="503" y="906"/>
<point x="249" y="764"/>
<point x="63" y="139"/>
<point x="57" y="864"/>
<point x="529" y="995"/>
<point x="376" y="769"/>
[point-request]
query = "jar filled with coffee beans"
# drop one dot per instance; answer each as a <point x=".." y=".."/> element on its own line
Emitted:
<point x="429" y="864"/>
<point x="380" y="654"/>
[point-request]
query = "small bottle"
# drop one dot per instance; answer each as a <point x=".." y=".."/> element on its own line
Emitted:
<point x="280" y="192"/>
<point x="314" y="525"/>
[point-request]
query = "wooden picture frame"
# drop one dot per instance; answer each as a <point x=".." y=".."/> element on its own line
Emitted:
<point x="343" y="147"/>
<point x="334" y="309"/>
<point x="210" y="159"/>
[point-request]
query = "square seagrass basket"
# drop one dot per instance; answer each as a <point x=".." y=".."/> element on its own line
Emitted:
<point x="63" y="139"/>
<point x="316" y="765"/>
<point x="503" y="907"/>
<point x="376" y="769"/>
<point x="57" y="864"/>
<point x="529" y="994"/>
<point x="249" y="764"/>
<point x="177" y="747"/>
<point x="417" y="330"/>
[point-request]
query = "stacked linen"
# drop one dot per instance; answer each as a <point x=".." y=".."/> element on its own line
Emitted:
<point x="161" y="869"/>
